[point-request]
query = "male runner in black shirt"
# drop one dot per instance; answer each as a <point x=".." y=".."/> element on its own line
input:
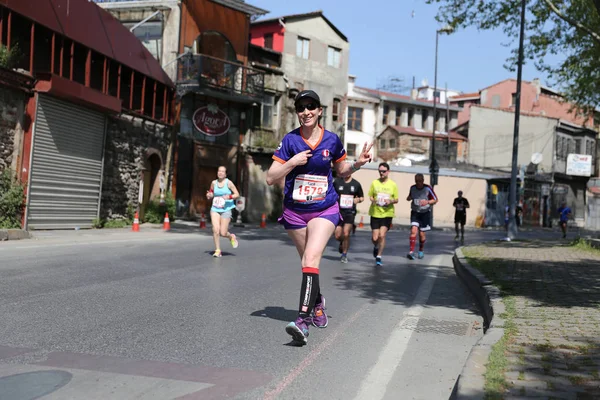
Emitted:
<point x="350" y="194"/>
<point x="460" y="216"/>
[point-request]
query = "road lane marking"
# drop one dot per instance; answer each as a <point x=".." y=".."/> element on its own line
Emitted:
<point x="375" y="384"/>
<point x="285" y="382"/>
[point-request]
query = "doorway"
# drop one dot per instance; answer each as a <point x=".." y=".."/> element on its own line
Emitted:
<point x="199" y="203"/>
<point x="152" y="174"/>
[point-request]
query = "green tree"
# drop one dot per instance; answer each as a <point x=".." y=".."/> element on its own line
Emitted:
<point x="565" y="29"/>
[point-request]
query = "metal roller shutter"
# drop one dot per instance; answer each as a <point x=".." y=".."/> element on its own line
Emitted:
<point x="66" y="166"/>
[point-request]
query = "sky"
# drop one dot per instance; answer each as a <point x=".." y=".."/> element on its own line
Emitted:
<point x="396" y="38"/>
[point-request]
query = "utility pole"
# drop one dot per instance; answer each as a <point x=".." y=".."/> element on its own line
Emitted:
<point x="512" y="223"/>
<point x="447" y="124"/>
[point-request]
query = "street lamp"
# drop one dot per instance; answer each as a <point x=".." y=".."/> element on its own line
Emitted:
<point x="433" y="166"/>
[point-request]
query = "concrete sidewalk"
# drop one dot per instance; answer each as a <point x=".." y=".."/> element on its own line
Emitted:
<point x="551" y="293"/>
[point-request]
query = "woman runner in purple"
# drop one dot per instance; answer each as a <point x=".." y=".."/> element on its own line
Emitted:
<point x="310" y="207"/>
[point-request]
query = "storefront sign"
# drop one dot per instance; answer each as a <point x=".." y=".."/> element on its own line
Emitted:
<point x="579" y="165"/>
<point x="211" y="121"/>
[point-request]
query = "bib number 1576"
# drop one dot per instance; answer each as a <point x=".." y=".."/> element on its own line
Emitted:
<point x="310" y="188"/>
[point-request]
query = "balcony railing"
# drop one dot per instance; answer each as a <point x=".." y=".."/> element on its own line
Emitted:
<point x="205" y="72"/>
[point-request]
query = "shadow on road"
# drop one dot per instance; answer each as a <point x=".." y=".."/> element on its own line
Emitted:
<point x="277" y="313"/>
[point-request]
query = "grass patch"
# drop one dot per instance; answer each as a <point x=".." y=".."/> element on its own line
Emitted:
<point x="547" y="358"/>
<point x="117" y="223"/>
<point x="544" y="347"/>
<point x="595" y="374"/>
<point x="495" y="381"/>
<point x="573" y="367"/>
<point x="588" y="362"/>
<point x="578" y="380"/>
<point x="584" y="245"/>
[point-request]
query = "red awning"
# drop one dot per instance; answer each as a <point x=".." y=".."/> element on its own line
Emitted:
<point x="93" y="27"/>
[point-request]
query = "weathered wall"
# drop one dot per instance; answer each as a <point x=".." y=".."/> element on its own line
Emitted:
<point x="473" y="189"/>
<point x="129" y="144"/>
<point x="12" y="105"/>
<point x="261" y="198"/>
<point x="329" y="82"/>
<point x="491" y="139"/>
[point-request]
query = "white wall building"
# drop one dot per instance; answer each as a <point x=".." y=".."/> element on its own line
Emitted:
<point x="361" y="119"/>
<point x="425" y="92"/>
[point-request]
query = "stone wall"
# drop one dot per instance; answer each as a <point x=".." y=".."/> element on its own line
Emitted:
<point x="12" y="105"/>
<point x="129" y="141"/>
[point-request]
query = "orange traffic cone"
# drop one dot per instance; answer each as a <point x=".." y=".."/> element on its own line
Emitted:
<point x="263" y="221"/>
<point x="202" y="221"/>
<point x="361" y="225"/>
<point x="167" y="223"/>
<point x="136" y="223"/>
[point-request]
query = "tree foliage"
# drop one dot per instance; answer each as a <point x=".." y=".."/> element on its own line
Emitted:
<point x="12" y="198"/>
<point x="565" y="30"/>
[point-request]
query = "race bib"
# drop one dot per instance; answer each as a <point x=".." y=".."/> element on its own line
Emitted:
<point x="459" y="207"/>
<point x="346" y="201"/>
<point x="417" y="202"/>
<point x="381" y="198"/>
<point x="219" y="202"/>
<point x="310" y="188"/>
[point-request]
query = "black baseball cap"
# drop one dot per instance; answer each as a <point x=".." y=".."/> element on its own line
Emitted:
<point x="308" y="94"/>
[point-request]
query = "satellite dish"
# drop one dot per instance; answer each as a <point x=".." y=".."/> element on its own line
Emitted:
<point x="536" y="158"/>
<point x="405" y="162"/>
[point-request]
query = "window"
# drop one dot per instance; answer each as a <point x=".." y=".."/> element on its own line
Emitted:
<point x="323" y="120"/>
<point x="461" y="104"/>
<point x="436" y="125"/>
<point x="564" y="147"/>
<point x="351" y="150"/>
<point x="513" y="99"/>
<point x="590" y="146"/>
<point x="386" y="113"/>
<point x="335" y="110"/>
<point x="411" y="114"/>
<point x="268" y="108"/>
<point x="355" y="118"/>
<point x="392" y="143"/>
<point x="150" y="34"/>
<point x="268" y="41"/>
<point x="382" y="144"/>
<point x="302" y="46"/>
<point x="414" y="143"/>
<point x="424" y="118"/>
<point x="334" y="57"/>
<point x="398" y="116"/>
<point x="453" y="119"/>
<point x="578" y="148"/>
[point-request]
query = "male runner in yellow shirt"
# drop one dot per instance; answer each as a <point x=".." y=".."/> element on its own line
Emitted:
<point x="383" y="194"/>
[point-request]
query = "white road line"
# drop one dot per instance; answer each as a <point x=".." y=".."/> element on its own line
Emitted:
<point x="375" y="384"/>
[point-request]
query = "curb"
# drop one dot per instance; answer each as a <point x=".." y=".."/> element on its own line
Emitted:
<point x="470" y="382"/>
<point x="13" y="234"/>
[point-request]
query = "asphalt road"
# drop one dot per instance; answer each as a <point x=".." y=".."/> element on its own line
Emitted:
<point x="154" y="316"/>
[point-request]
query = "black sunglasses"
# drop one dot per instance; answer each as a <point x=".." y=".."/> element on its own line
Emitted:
<point x="310" y="107"/>
<point x="383" y="171"/>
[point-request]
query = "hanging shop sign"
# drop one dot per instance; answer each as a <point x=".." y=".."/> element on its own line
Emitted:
<point x="211" y="121"/>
